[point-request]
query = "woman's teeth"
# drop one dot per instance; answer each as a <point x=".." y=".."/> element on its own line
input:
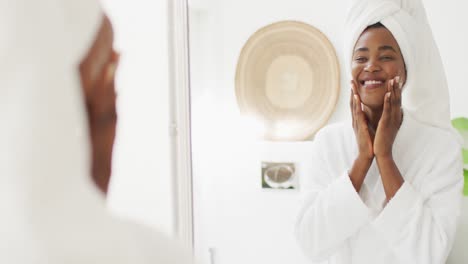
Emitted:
<point x="372" y="82"/>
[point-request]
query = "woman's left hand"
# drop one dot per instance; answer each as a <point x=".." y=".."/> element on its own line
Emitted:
<point x="390" y="120"/>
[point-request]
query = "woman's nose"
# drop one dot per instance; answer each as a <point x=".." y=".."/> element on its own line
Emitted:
<point x="372" y="66"/>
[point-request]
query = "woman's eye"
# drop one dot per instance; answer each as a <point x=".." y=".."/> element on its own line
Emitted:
<point x="360" y="59"/>
<point x="386" y="58"/>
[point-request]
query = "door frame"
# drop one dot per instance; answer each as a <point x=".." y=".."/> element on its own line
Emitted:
<point x="180" y="120"/>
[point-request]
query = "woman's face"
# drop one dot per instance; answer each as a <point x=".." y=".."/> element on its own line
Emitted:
<point x="377" y="59"/>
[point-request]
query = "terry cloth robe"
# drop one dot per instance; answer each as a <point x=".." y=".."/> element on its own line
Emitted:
<point x="416" y="226"/>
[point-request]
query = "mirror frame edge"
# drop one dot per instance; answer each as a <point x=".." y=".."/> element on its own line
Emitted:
<point x="180" y="121"/>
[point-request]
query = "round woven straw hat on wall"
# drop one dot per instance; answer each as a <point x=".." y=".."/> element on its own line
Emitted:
<point x="288" y="78"/>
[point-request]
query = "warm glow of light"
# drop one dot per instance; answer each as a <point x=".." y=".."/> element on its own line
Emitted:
<point x="252" y="127"/>
<point x="285" y="130"/>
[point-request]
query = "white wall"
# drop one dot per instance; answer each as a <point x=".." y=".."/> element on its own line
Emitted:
<point x="141" y="184"/>
<point x="234" y="217"/>
<point x="449" y="23"/>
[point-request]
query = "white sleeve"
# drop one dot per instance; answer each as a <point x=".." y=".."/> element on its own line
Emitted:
<point x="421" y="228"/>
<point x="332" y="210"/>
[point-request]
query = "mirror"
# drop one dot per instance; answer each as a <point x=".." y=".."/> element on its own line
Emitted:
<point x="235" y="219"/>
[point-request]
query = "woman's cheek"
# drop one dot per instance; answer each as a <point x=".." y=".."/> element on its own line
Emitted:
<point x="355" y="69"/>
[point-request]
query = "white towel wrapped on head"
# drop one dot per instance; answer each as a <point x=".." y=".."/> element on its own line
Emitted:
<point x="425" y="93"/>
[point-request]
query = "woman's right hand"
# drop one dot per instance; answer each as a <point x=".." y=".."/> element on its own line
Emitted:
<point x="361" y="129"/>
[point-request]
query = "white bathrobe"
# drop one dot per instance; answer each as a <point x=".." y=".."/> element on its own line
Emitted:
<point x="416" y="227"/>
<point x="50" y="210"/>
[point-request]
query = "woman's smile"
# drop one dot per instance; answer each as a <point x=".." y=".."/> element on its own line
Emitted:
<point x="371" y="84"/>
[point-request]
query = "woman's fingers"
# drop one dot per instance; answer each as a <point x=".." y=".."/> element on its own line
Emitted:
<point x="397" y="107"/>
<point x="397" y="89"/>
<point x="395" y="99"/>
<point x="387" y="106"/>
<point x="353" y="101"/>
<point x="357" y="110"/>
<point x="392" y="92"/>
<point x="387" y="98"/>
<point x="359" y="115"/>
<point x="353" y="111"/>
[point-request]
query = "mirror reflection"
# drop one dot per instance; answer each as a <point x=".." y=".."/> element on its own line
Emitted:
<point x="361" y="99"/>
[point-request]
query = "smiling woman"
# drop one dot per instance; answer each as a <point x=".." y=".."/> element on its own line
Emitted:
<point x="399" y="198"/>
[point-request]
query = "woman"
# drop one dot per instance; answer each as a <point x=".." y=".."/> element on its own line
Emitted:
<point x="388" y="188"/>
<point x="57" y="110"/>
